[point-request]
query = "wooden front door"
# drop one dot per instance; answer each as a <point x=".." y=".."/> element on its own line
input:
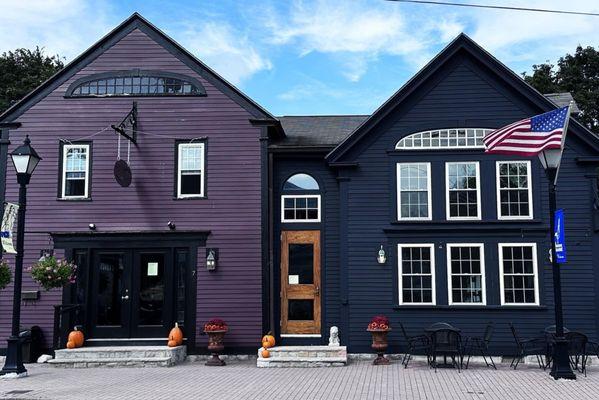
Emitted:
<point x="300" y="282"/>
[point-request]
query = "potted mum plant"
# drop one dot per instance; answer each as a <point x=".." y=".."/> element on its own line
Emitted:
<point x="5" y="274"/>
<point x="379" y="328"/>
<point x="51" y="273"/>
<point x="215" y="329"/>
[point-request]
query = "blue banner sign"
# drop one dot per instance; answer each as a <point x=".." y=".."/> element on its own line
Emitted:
<point x="559" y="236"/>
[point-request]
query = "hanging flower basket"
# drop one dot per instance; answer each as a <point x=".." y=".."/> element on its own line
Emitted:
<point x="379" y="328"/>
<point x="5" y="274"/>
<point x="215" y="329"/>
<point x="51" y="273"/>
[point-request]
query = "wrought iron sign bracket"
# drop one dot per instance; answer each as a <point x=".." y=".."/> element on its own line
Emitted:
<point x="128" y="126"/>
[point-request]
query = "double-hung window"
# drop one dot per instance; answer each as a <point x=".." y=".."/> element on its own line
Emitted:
<point x="514" y="190"/>
<point x="466" y="273"/>
<point x="463" y="190"/>
<point x="190" y="170"/>
<point x="416" y="273"/>
<point x="518" y="274"/>
<point x="75" y="171"/>
<point x="414" y="191"/>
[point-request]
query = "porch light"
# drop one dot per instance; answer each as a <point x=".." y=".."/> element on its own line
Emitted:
<point x="382" y="258"/>
<point x="211" y="260"/>
<point x="25" y="159"/>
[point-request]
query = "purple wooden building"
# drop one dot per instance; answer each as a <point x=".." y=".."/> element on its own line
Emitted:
<point x="197" y="165"/>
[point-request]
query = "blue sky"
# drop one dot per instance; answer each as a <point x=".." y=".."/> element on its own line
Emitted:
<point x="298" y="57"/>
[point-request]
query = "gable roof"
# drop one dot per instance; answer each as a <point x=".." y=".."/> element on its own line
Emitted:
<point x="562" y="100"/>
<point x="135" y="21"/>
<point x="461" y="43"/>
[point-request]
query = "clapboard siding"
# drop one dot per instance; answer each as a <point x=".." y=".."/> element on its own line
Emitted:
<point x="231" y="210"/>
<point x="463" y="94"/>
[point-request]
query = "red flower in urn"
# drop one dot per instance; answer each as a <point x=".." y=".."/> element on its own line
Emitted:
<point x="379" y="327"/>
<point x="215" y="329"/>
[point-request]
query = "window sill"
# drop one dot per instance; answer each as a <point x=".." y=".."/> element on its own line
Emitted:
<point x="74" y="199"/>
<point x="190" y="198"/>
<point x="469" y="307"/>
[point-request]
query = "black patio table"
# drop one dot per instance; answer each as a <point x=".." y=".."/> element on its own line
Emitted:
<point x="549" y="332"/>
<point x="437" y="326"/>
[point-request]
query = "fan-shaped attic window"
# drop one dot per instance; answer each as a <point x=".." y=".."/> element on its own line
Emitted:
<point x="301" y="182"/>
<point x="459" y="138"/>
<point x="135" y="83"/>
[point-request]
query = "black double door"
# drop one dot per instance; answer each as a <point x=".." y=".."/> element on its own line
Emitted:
<point x="132" y="293"/>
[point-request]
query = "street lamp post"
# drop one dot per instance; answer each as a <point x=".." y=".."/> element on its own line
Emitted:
<point x="24" y="159"/>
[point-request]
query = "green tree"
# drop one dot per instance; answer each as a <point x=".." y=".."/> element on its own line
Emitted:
<point x="23" y="70"/>
<point x="576" y="73"/>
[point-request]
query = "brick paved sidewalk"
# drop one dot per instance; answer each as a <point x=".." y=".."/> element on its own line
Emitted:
<point x="242" y="380"/>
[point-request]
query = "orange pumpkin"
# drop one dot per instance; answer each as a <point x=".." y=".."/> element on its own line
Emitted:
<point x="76" y="337"/>
<point x="176" y="335"/>
<point x="265" y="353"/>
<point x="172" y="343"/>
<point x="70" y="345"/>
<point x="268" y="341"/>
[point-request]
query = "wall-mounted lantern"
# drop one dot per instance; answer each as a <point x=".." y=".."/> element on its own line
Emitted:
<point x="381" y="258"/>
<point x="211" y="259"/>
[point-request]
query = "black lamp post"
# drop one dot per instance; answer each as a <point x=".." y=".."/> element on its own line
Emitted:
<point x="24" y="159"/>
<point x="550" y="159"/>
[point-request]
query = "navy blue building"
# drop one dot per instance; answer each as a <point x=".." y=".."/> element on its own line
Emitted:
<point x="465" y="234"/>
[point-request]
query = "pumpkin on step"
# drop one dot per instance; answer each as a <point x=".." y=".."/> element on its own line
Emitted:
<point x="70" y="345"/>
<point x="265" y="353"/>
<point x="76" y="337"/>
<point x="268" y="341"/>
<point x="175" y="336"/>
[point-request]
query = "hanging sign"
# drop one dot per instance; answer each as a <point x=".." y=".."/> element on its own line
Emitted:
<point x="559" y="237"/>
<point x="8" y="221"/>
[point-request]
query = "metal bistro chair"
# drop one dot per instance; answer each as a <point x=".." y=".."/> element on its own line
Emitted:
<point x="446" y="342"/>
<point x="481" y="345"/>
<point x="418" y="343"/>
<point x="528" y="347"/>
<point x="577" y="350"/>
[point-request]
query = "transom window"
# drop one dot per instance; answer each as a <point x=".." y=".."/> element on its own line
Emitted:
<point x="466" y="273"/>
<point x="416" y="273"/>
<point x="414" y="191"/>
<point x="518" y="274"/>
<point x="190" y="170"/>
<point x="300" y="201"/>
<point x="463" y="190"/>
<point x="75" y="171"/>
<point x="462" y="138"/>
<point x="136" y="83"/>
<point x="514" y="190"/>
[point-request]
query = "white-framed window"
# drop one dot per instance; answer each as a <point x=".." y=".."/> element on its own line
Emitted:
<point x="414" y="191"/>
<point x="518" y="274"/>
<point x="300" y="208"/>
<point x="75" y="171"/>
<point x="416" y="273"/>
<point x="190" y="170"/>
<point x="466" y="273"/>
<point x="514" y="190"/>
<point x="458" y="138"/>
<point x="462" y="182"/>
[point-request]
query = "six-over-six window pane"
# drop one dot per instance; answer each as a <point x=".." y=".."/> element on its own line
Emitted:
<point x="463" y="190"/>
<point x="416" y="273"/>
<point x="518" y="273"/>
<point x="414" y="192"/>
<point x="466" y="273"/>
<point x="514" y="191"/>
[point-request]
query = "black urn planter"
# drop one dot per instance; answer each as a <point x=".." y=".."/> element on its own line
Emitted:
<point x="215" y="346"/>
<point x="380" y="345"/>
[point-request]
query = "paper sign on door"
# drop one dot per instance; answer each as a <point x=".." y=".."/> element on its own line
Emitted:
<point x="152" y="269"/>
<point x="294" y="279"/>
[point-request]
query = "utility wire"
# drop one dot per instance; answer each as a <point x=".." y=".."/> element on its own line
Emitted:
<point x="498" y="7"/>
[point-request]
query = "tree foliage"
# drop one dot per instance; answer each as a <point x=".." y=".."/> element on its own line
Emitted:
<point x="576" y="73"/>
<point x="23" y="70"/>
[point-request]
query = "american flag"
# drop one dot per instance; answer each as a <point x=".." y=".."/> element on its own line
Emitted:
<point x="530" y="136"/>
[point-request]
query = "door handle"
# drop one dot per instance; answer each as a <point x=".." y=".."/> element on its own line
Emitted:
<point x="317" y="290"/>
<point x="125" y="297"/>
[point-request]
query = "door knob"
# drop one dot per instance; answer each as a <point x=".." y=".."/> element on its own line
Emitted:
<point x="317" y="290"/>
<point x="125" y="297"/>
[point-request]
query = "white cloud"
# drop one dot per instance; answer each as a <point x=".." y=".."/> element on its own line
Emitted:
<point x="227" y="51"/>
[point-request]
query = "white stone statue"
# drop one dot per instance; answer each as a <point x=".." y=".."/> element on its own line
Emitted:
<point x="334" y="336"/>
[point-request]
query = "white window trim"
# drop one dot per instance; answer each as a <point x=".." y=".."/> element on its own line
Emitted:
<point x="400" y="273"/>
<point x="535" y="269"/>
<point x="498" y="191"/>
<point x="482" y="271"/>
<point x="448" y="147"/>
<point x="428" y="190"/>
<point x="65" y="149"/>
<point x="202" y="173"/>
<point x="478" y="205"/>
<point x="295" y="196"/>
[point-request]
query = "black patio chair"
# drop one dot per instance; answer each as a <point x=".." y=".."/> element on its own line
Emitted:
<point x="528" y="347"/>
<point x="593" y="346"/>
<point x="446" y="343"/>
<point x="577" y="350"/>
<point x="416" y="344"/>
<point x="480" y="345"/>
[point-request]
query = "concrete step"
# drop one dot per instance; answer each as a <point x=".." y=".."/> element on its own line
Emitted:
<point x="303" y="357"/>
<point x="129" y="356"/>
